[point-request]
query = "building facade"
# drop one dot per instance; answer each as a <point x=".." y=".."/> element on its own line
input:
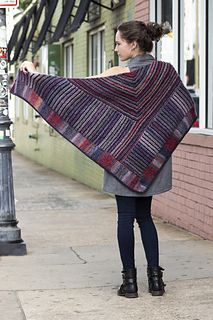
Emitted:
<point x="89" y="50"/>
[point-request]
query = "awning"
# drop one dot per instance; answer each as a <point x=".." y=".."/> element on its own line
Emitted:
<point x="15" y="34"/>
<point x="65" y="14"/>
<point x="34" y="14"/>
<point x="50" y="11"/>
<point x="78" y="18"/>
<point x="23" y="29"/>
<point x="80" y="15"/>
<point x="33" y="29"/>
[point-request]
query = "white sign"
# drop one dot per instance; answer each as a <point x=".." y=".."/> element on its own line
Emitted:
<point x="9" y="3"/>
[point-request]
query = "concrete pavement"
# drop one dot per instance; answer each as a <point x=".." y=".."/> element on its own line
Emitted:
<point x="72" y="269"/>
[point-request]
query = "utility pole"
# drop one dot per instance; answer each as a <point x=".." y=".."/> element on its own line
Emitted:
<point x="10" y="235"/>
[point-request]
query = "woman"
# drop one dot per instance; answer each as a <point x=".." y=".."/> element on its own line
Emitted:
<point x="134" y="42"/>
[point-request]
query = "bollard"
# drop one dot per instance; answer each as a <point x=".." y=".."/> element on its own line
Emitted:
<point x="10" y="235"/>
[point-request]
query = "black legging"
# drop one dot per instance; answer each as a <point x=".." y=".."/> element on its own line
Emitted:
<point x="129" y="209"/>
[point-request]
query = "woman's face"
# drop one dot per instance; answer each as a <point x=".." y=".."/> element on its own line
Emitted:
<point x="124" y="49"/>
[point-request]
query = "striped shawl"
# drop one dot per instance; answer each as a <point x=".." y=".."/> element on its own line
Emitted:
<point x="129" y="124"/>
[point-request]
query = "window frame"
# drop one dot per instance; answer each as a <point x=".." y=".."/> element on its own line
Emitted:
<point x="209" y="76"/>
<point x="178" y="58"/>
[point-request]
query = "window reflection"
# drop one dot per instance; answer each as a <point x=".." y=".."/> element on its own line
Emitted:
<point x="167" y="45"/>
<point x="192" y="50"/>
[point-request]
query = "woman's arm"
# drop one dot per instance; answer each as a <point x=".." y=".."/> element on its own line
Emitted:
<point x="28" y="66"/>
<point x="112" y="71"/>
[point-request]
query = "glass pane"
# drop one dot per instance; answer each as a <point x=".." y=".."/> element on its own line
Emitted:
<point x="166" y="44"/>
<point x="68" y="60"/>
<point x="102" y="52"/>
<point x="192" y="50"/>
<point x="94" y="57"/>
<point x="97" y="53"/>
<point x="44" y="59"/>
<point x="166" y="11"/>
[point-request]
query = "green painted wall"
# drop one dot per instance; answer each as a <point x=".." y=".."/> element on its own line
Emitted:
<point x="49" y="149"/>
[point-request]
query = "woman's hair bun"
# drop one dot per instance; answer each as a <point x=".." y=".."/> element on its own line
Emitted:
<point x="155" y="30"/>
<point x="144" y="34"/>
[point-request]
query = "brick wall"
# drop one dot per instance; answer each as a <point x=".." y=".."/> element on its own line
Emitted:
<point x="142" y="10"/>
<point x="190" y="202"/>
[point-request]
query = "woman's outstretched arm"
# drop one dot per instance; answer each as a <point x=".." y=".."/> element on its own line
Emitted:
<point x="112" y="72"/>
<point x="28" y="66"/>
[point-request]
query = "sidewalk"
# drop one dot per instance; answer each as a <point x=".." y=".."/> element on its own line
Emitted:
<point x="72" y="270"/>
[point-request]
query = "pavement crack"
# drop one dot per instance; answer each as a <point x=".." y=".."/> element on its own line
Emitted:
<point x="78" y="256"/>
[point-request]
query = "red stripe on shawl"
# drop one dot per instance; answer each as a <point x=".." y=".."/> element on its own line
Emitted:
<point x="150" y="172"/>
<point x="84" y="144"/>
<point x="133" y="182"/>
<point x="170" y="144"/>
<point x="106" y="160"/>
<point x="54" y="119"/>
<point x="34" y="100"/>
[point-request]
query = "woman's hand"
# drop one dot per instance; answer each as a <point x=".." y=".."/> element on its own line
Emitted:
<point x="27" y="66"/>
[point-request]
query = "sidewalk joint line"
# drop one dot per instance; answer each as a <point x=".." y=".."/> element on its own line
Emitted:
<point x="20" y="305"/>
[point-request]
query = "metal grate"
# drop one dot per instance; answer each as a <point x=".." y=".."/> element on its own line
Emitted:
<point x="117" y="3"/>
<point x="94" y="11"/>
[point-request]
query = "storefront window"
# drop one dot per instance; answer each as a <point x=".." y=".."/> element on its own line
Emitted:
<point x="189" y="47"/>
<point x="192" y="50"/>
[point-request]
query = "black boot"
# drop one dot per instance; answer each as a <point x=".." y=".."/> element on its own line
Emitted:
<point x="155" y="281"/>
<point x="129" y="288"/>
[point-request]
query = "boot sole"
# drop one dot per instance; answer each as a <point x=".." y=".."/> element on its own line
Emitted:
<point x="157" y="293"/>
<point x="131" y="295"/>
<point x="128" y="295"/>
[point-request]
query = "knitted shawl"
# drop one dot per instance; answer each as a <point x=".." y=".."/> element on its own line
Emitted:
<point x="129" y="124"/>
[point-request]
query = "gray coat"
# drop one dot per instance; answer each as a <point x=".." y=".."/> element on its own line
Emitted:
<point x="163" y="181"/>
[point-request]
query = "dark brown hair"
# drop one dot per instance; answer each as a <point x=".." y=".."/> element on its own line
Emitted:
<point x="144" y="34"/>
